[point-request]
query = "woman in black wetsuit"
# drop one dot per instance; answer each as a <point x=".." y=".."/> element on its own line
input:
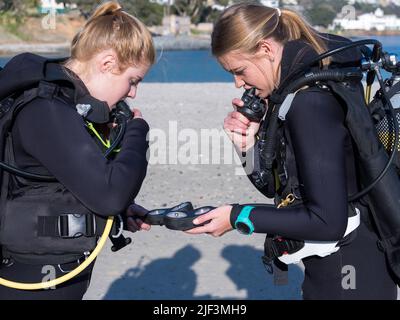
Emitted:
<point x="260" y="46"/>
<point x="56" y="134"/>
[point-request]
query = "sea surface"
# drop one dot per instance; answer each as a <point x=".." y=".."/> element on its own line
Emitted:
<point x="201" y="66"/>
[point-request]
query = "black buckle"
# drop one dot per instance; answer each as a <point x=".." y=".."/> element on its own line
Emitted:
<point x="47" y="89"/>
<point x="76" y="225"/>
<point x="118" y="240"/>
<point x="283" y="246"/>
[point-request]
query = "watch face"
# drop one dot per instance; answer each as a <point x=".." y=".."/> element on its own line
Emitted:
<point x="242" y="227"/>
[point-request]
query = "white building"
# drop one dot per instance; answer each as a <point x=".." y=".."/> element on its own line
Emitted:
<point x="382" y="3"/>
<point x="364" y="1"/>
<point x="51" y="5"/>
<point x="270" y="3"/>
<point x="163" y="1"/>
<point x="369" y="22"/>
<point x="291" y="2"/>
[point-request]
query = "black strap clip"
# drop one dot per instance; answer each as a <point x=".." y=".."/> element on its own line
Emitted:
<point x="76" y="225"/>
<point x="117" y="238"/>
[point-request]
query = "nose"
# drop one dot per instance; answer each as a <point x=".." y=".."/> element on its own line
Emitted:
<point x="132" y="92"/>
<point x="238" y="82"/>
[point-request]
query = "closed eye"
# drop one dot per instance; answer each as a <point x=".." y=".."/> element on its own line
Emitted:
<point x="135" y="82"/>
<point x="238" y="72"/>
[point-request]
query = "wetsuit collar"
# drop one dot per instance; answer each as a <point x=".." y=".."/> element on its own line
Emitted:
<point x="92" y="109"/>
<point x="298" y="53"/>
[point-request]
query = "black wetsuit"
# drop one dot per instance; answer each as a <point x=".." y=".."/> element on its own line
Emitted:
<point x="326" y="171"/>
<point x="49" y="137"/>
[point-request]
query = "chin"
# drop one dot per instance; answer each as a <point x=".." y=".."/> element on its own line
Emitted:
<point x="262" y="94"/>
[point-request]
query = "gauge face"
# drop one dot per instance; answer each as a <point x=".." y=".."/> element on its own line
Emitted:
<point x="157" y="212"/>
<point x="242" y="227"/>
<point x="202" y="210"/>
<point x="186" y="206"/>
<point x="177" y="215"/>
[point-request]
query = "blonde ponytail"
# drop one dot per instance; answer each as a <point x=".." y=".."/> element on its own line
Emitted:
<point x="294" y="27"/>
<point x="244" y="25"/>
<point x="110" y="27"/>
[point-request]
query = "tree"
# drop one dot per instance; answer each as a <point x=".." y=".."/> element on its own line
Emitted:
<point x="84" y="6"/>
<point x="22" y="7"/>
<point x="150" y="13"/>
<point x="190" y="8"/>
<point x="365" y="7"/>
<point x="392" y="9"/>
<point x="323" y="12"/>
<point x="14" y="12"/>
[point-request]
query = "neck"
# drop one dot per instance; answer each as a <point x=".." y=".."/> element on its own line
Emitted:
<point x="278" y="60"/>
<point x="80" y="70"/>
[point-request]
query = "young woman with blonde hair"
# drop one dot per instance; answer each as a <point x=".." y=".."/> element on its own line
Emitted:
<point x="64" y="131"/>
<point x="261" y="46"/>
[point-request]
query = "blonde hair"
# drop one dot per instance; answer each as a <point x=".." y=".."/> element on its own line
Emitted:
<point x="110" y="27"/>
<point x="243" y="26"/>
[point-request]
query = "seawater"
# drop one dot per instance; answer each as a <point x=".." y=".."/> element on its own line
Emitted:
<point x="201" y="66"/>
<point x="181" y="66"/>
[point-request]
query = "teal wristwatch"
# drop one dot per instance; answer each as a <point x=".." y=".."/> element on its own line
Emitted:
<point x="243" y="224"/>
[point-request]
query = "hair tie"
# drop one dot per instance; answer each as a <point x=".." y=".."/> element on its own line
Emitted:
<point x="113" y="12"/>
<point x="279" y="12"/>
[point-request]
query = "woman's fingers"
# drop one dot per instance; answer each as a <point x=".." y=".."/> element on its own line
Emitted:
<point x="217" y="222"/>
<point x="238" y="116"/>
<point x="143" y="225"/>
<point x="137" y="113"/>
<point x="201" y="219"/>
<point x="237" y="103"/>
<point x="205" y="217"/>
<point x="132" y="225"/>
<point x="134" y="213"/>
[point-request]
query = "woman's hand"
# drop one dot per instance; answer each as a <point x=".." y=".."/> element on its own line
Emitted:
<point x="137" y="113"/>
<point x="239" y="129"/>
<point x="219" y="222"/>
<point x="134" y="215"/>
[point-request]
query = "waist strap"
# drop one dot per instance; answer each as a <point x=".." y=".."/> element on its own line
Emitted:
<point x="67" y="226"/>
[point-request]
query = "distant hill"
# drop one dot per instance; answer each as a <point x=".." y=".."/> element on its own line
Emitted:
<point x="38" y="30"/>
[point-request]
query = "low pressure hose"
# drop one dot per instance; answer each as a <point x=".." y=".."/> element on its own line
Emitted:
<point x="68" y="276"/>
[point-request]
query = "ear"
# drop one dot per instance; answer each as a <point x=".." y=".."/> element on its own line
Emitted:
<point x="266" y="48"/>
<point x="107" y="61"/>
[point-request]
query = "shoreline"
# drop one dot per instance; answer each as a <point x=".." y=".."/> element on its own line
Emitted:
<point x="166" y="43"/>
<point x="160" y="42"/>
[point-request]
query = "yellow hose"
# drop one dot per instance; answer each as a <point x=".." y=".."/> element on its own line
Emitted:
<point x="68" y="276"/>
<point x="368" y="94"/>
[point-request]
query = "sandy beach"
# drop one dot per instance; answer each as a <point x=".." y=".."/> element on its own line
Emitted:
<point x="166" y="264"/>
